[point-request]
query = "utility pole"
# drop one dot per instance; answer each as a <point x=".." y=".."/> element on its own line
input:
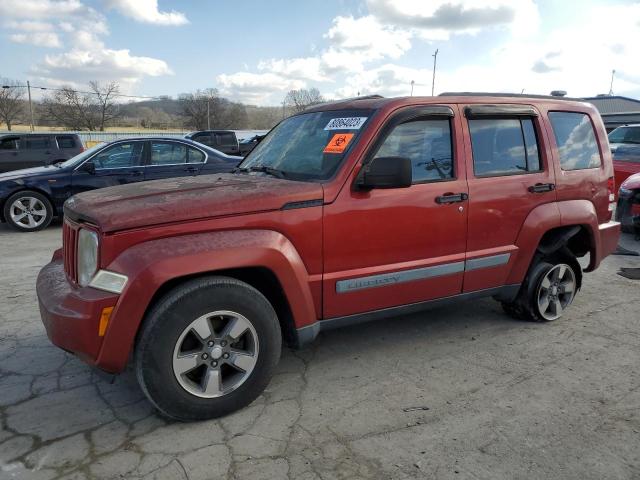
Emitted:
<point x="613" y="73"/>
<point x="412" y="83"/>
<point x="433" y="81"/>
<point x="30" y="105"/>
<point x="283" y="104"/>
<point x="208" y="115"/>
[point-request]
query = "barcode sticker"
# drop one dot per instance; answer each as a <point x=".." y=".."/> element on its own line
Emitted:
<point x="346" y="123"/>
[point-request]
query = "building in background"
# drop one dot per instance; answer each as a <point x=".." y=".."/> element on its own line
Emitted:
<point x="616" y="110"/>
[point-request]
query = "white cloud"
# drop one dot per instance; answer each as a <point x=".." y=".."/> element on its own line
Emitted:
<point x="146" y="11"/>
<point x="30" y="26"/>
<point x="438" y="19"/>
<point x="39" y="39"/>
<point x="37" y="9"/>
<point x="257" y="88"/>
<point x="309" y="68"/>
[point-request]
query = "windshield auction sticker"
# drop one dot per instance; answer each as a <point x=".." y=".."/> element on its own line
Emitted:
<point x="347" y="123"/>
<point x="338" y="143"/>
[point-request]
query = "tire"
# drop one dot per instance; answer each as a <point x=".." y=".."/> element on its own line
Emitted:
<point x="174" y="358"/>
<point x="549" y="288"/>
<point x="28" y="211"/>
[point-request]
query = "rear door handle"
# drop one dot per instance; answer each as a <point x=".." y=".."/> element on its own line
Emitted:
<point x="137" y="173"/>
<point x="452" y="198"/>
<point x="191" y="169"/>
<point x="542" y="187"/>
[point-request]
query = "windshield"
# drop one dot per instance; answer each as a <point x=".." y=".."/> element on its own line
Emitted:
<point x="82" y="156"/>
<point x="625" y="135"/>
<point x="309" y="146"/>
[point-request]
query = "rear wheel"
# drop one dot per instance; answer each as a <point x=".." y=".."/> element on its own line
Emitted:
<point x="548" y="290"/>
<point x="208" y="348"/>
<point x="28" y="211"/>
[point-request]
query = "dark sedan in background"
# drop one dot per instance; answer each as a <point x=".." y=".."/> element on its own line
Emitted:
<point x="30" y="198"/>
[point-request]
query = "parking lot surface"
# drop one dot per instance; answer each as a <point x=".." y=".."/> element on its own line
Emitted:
<point x="457" y="392"/>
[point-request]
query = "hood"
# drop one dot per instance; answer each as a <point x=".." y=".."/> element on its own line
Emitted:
<point x="28" y="172"/>
<point x="632" y="182"/>
<point x="188" y="198"/>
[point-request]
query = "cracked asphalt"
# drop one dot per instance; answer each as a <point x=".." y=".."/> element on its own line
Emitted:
<point x="462" y="392"/>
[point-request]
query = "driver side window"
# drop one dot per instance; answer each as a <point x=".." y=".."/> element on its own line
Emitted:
<point x="427" y="143"/>
<point x="120" y="156"/>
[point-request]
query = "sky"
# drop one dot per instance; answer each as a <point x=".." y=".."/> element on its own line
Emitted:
<point x="256" y="51"/>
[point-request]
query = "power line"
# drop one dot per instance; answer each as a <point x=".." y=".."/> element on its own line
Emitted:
<point x="77" y="91"/>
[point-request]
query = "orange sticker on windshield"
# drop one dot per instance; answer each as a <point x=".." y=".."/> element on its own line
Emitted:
<point x="338" y="143"/>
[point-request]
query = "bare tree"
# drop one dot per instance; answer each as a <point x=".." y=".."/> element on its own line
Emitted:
<point x="71" y="109"/>
<point x="104" y="96"/>
<point x="11" y="101"/>
<point x="300" y="100"/>
<point x="200" y="107"/>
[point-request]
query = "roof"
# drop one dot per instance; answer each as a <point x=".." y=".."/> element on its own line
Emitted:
<point x="612" y="104"/>
<point x="375" y="102"/>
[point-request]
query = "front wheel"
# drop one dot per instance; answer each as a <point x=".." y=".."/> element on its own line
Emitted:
<point x="28" y="211"/>
<point x="208" y="348"/>
<point x="549" y="289"/>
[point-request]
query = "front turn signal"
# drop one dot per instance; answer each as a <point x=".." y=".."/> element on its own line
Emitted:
<point x="104" y="320"/>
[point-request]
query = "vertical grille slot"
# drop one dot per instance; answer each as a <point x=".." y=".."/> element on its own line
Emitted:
<point x="69" y="249"/>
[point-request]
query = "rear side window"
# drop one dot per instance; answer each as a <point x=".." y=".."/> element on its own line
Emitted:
<point x="504" y="146"/>
<point x="66" y="142"/>
<point x="36" y="143"/>
<point x="226" y="139"/>
<point x="427" y="143"/>
<point x="9" y="144"/>
<point x="576" y="140"/>
<point x="168" y="153"/>
<point x="195" y="156"/>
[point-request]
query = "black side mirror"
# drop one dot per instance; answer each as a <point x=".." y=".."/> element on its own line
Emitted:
<point x="385" y="172"/>
<point x="89" y="167"/>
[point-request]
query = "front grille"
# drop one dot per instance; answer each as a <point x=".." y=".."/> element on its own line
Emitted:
<point x="69" y="249"/>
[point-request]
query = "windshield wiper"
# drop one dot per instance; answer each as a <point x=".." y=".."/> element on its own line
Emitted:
<point x="274" y="172"/>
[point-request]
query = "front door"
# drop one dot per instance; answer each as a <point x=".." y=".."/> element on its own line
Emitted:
<point x="510" y="174"/>
<point x="116" y="165"/>
<point x="390" y="247"/>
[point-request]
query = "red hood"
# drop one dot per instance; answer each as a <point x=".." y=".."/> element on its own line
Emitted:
<point x="632" y="182"/>
<point x="187" y="198"/>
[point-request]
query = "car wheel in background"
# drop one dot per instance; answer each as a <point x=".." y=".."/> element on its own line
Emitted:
<point x="28" y="211"/>
<point x="208" y="348"/>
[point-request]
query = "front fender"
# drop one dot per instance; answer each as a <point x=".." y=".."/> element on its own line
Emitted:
<point x="151" y="264"/>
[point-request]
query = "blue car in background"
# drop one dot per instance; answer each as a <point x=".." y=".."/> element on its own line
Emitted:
<point x="30" y="198"/>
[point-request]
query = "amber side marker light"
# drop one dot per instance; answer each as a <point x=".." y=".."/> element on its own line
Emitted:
<point x="104" y="320"/>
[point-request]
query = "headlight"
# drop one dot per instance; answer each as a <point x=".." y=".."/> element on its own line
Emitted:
<point x="87" y="256"/>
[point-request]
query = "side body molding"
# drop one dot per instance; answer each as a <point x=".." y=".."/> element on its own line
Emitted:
<point x="151" y="264"/>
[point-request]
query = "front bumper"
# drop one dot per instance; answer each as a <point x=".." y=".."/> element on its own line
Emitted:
<point x="71" y="314"/>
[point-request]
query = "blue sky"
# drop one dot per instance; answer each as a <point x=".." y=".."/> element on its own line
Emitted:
<point x="254" y="51"/>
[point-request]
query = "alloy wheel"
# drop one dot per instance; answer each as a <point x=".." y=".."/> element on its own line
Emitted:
<point x="28" y="212"/>
<point x="215" y="354"/>
<point x="556" y="291"/>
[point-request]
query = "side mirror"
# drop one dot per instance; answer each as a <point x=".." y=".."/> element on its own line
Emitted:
<point x="385" y="172"/>
<point x="89" y="167"/>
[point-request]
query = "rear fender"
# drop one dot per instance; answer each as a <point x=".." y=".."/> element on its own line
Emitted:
<point x="547" y="217"/>
<point x="151" y="264"/>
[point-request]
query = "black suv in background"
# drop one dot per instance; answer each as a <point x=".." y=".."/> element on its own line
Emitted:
<point x="28" y="150"/>
<point x="224" y="141"/>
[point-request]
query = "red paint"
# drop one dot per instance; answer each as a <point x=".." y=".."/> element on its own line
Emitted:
<point x="158" y="231"/>
<point x="624" y="170"/>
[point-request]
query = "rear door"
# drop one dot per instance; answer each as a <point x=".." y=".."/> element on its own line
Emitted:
<point x="391" y="247"/>
<point x="510" y="173"/>
<point x="169" y="159"/>
<point x="9" y="153"/>
<point x="115" y="165"/>
<point x="227" y="142"/>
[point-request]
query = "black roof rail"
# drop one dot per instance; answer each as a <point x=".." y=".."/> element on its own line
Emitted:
<point x="508" y="95"/>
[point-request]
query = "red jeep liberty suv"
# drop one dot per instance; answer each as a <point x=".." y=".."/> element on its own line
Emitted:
<point x="350" y="211"/>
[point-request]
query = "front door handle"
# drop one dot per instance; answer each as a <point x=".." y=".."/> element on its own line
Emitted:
<point x="452" y="198"/>
<point x="191" y="169"/>
<point x="137" y="173"/>
<point x="542" y="187"/>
